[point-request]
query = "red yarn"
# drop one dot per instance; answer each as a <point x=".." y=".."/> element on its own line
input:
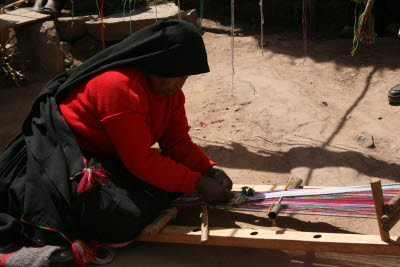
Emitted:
<point x="83" y="252"/>
<point x="102" y="24"/>
<point x="92" y="177"/>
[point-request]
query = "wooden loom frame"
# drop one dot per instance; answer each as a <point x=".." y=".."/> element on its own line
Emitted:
<point x="281" y="239"/>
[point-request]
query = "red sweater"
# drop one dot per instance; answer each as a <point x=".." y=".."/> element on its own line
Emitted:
<point x="116" y="114"/>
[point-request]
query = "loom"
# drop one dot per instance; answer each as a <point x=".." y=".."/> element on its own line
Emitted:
<point x="354" y="201"/>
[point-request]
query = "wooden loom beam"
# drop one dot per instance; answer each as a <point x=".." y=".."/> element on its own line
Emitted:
<point x="393" y="204"/>
<point x="392" y="221"/>
<point x="287" y="240"/>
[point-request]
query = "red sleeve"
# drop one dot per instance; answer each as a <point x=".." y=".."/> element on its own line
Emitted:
<point x="131" y="138"/>
<point x="121" y="105"/>
<point x="177" y="143"/>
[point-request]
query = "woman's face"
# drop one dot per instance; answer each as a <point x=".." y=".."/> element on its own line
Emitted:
<point x="164" y="85"/>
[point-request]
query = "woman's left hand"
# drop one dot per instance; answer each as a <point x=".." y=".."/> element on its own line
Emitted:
<point x="220" y="176"/>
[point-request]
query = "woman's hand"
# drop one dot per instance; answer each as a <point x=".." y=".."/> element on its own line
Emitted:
<point x="212" y="191"/>
<point x="220" y="176"/>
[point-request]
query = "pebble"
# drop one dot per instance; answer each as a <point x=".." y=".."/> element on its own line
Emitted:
<point x="365" y="140"/>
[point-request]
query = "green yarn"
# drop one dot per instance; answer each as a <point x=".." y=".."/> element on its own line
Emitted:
<point x="201" y="13"/>
<point x="355" y="41"/>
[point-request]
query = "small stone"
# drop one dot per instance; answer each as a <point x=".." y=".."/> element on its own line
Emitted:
<point x="352" y="75"/>
<point x="365" y="140"/>
<point x="198" y="129"/>
<point x="324" y="103"/>
<point x="379" y="118"/>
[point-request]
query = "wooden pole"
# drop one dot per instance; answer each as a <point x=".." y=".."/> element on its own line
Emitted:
<point x="278" y="207"/>
<point x="377" y="194"/>
<point x="204" y="224"/>
<point x="160" y="222"/>
<point x="393" y="204"/>
<point x="392" y="221"/>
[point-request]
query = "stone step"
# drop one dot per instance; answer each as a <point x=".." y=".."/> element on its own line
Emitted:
<point x="19" y="17"/>
<point x="118" y="27"/>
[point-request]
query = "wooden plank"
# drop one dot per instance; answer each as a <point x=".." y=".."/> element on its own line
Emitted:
<point x="377" y="194"/>
<point x="20" y="17"/>
<point x="287" y="240"/>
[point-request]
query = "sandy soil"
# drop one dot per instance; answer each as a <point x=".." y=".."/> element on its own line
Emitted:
<point x="281" y="119"/>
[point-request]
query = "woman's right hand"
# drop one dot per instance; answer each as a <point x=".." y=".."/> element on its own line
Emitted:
<point x="211" y="191"/>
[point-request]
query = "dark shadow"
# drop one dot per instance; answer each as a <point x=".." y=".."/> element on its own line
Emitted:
<point x="228" y="219"/>
<point x="283" y="32"/>
<point x="239" y="156"/>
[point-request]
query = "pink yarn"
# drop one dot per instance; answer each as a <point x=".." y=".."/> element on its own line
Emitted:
<point x="83" y="253"/>
<point x="92" y="176"/>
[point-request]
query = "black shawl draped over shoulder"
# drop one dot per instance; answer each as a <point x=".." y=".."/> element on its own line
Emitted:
<point x="35" y="169"/>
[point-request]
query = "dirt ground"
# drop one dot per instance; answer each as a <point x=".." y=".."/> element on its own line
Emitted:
<point x="281" y="119"/>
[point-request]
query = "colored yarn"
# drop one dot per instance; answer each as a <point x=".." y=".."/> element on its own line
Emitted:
<point x="102" y="24"/>
<point x="123" y="9"/>
<point x="355" y="41"/>
<point x="365" y="31"/>
<point x="156" y="12"/>
<point x="354" y="201"/>
<point x="233" y="37"/>
<point x="83" y="252"/>
<point x="179" y="10"/>
<point x="92" y="176"/>
<point x="72" y="13"/>
<point x="201" y="13"/>
<point x="262" y="26"/>
<point x="304" y="22"/>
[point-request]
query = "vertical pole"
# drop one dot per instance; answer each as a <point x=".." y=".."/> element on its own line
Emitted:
<point x="377" y="194"/>
<point x="204" y="224"/>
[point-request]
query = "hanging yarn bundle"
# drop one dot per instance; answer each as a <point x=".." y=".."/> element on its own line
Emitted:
<point x="82" y="252"/>
<point x="91" y="177"/>
<point x="365" y="30"/>
<point x="353" y="201"/>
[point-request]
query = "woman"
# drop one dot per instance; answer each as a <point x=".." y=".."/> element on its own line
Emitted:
<point x="83" y="171"/>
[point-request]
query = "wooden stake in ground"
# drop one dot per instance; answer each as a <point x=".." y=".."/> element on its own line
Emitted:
<point x="204" y="224"/>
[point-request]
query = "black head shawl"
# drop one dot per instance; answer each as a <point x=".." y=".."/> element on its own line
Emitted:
<point x="169" y="48"/>
<point x="35" y="168"/>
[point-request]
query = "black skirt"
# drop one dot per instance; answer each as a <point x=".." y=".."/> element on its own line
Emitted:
<point x="34" y="212"/>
